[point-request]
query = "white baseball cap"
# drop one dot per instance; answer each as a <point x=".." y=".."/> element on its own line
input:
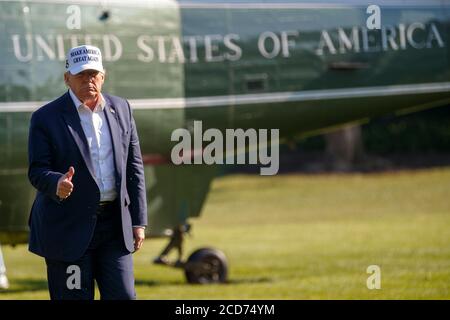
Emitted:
<point x="84" y="57"/>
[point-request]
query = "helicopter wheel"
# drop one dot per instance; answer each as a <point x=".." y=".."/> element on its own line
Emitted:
<point x="205" y="266"/>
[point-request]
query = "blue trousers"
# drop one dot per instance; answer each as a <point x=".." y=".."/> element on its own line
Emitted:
<point x="106" y="262"/>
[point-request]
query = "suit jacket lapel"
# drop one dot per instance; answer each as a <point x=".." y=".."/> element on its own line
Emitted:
<point x="111" y="118"/>
<point x="73" y="122"/>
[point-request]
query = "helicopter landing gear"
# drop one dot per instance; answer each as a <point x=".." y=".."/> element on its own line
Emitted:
<point x="176" y="242"/>
<point x="204" y="266"/>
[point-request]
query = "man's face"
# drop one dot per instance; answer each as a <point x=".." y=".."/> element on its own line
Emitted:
<point x="86" y="85"/>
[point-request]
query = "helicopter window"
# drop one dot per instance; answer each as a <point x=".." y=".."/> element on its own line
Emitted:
<point x="256" y="83"/>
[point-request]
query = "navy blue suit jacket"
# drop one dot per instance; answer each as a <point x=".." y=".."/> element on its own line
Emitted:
<point x="62" y="230"/>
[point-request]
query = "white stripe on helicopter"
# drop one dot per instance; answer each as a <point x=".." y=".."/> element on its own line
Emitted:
<point x="260" y="98"/>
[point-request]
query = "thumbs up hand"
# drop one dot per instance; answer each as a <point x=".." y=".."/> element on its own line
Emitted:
<point x="65" y="185"/>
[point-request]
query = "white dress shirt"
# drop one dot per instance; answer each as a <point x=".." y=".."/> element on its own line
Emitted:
<point x="98" y="136"/>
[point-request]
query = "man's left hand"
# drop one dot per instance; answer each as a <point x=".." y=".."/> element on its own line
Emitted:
<point x="139" y="236"/>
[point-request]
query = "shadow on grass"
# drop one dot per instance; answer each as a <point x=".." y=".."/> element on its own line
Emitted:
<point x="25" y="285"/>
<point x="150" y="283"/>
<point x="154" y="283"/>
<point x="34" y="285"/>
<point x="250" y="280"/>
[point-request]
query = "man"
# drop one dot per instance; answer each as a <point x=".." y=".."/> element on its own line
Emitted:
<point x="90" y="209"/>
<point x="4" y="284"/>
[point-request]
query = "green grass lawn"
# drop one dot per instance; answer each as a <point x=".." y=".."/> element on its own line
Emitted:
<point x="301" y="237"/>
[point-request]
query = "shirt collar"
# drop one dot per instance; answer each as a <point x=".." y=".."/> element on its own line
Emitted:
<point x="78" y="103"/>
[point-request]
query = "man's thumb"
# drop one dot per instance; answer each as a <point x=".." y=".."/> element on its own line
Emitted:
<point x="70" y="173"/>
